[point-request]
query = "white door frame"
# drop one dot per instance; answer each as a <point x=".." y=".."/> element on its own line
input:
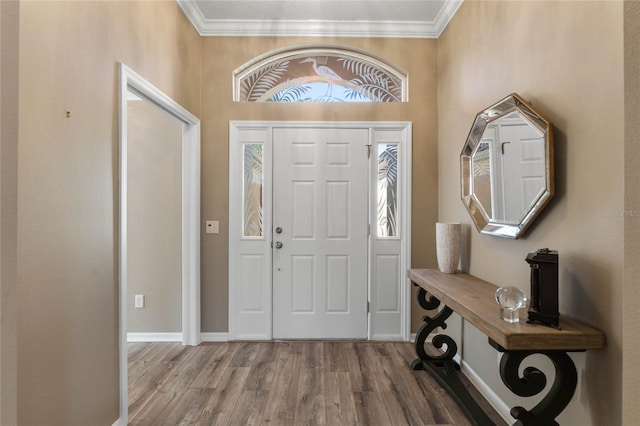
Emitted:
<point x="131" y="82"/>
<point x="253" y="320"/>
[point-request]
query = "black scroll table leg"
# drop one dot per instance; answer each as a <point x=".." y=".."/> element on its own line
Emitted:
<point x="533" y="382"/>
<point x="442" y="367"/>
<point x="430" y="324"/>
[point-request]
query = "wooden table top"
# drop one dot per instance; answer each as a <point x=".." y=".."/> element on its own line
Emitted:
<point x="473" y="299"/>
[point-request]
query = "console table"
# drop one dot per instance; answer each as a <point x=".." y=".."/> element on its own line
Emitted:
<point x="473" y="299"/>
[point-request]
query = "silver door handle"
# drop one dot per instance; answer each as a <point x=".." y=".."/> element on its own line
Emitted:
<point x="278" y="245"/>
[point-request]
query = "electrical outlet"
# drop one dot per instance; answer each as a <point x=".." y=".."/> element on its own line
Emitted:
<point x="139" y="301"/>
<point x="212" y="227"/>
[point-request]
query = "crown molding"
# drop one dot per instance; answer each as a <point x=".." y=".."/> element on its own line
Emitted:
<point x="446" y="15"/>
<point x="318" y="28"/>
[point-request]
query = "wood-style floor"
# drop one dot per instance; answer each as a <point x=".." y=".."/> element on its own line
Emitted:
<point x="285" y="383"/>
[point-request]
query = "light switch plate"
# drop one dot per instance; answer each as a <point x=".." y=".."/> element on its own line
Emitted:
<point x="212" y="227"/>
<point x="139" y="301"/>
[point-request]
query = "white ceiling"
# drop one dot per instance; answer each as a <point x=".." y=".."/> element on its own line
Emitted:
<point x="340" y="18"/>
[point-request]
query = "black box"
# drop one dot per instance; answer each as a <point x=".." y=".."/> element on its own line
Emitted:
<point x="544" y="287"/>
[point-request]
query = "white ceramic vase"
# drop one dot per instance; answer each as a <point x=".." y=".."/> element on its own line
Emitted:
<point x="448" y="238"/>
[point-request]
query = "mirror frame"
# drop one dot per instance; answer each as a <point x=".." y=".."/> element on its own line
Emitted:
<point x="483" y="222"/>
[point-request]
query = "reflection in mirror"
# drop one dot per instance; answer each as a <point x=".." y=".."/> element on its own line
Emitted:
<point x="481" y="161"/>
<point x="507" y="168"/>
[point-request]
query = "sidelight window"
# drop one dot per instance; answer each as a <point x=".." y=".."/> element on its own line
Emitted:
<point x="253" y="190"/>
<point x="387" y="190"/>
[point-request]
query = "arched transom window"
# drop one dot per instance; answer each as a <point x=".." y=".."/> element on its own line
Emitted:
<point x="319" y="74"/>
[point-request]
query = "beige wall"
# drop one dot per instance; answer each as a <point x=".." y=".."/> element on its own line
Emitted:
<point x="631" y="313"/>
<point x="220" y="56"/>
<point x="67" y="181"/>
<point x="9" y="34"/>
<point x="154" y="222"/>
<point x="566" y="58"/>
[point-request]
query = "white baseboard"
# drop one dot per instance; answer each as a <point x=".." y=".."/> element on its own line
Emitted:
<point x="214" y="337"/>
<point x="387" y="338"/>
<point x="154" y="337"/>
<point x="492" y="398"/>
<point x="174" y="337"/>
<point x="119" y="422"/>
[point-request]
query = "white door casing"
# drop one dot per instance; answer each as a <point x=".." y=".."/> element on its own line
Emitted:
<point x="132" y="83"/>
<point x="251" y="256"/>
<point x="320" y="196"/>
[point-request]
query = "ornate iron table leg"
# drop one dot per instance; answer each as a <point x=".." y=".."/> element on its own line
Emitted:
<point x="442" y="366"/>
<point x="430" y="324"/>
<point x="533" y="382"/>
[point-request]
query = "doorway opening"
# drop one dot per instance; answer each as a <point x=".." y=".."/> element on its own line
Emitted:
<point x="132" y="85"/>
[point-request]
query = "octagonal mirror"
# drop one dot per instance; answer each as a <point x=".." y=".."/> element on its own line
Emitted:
<point x="506" y="168"/>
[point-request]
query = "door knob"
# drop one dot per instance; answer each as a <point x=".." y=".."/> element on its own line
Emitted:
<point x="278" y="245"/>
<point x="278" y="230"/>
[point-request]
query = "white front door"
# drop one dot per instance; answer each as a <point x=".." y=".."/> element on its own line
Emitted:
<point x="320" y="199"/>
<point x="523" y="169"/>
<point x="313" y="180"/>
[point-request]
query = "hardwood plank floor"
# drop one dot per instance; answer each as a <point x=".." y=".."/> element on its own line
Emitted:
<point x="330" y="383"/>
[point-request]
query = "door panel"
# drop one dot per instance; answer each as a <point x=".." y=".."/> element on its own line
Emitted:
<point x="523" y="169"/>
<point x="320" y="201"/>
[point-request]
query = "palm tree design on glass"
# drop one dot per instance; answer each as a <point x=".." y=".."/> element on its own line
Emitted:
<point x="387" y="190"/>
<point x="371" y="82"/>
<point x="252" y="191"/>
<point x="254" y="87"/>
<point x="330" y="78"/>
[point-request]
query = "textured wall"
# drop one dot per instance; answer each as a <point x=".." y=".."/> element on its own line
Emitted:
<point x="154" y="203"/>
<point x="566" y="58"/>
<point x="221" y="55"/>
<point x="9" y="34"/>
<point x="68" y="186"/>
<point x="631" y="313"/>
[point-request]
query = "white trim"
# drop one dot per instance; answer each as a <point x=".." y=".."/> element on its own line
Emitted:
<point x="485" y="390"/>
<point x="481" y="386"/>
<point x="130" y="81"/>
<point x="214" y="337"/>
<point x="175" y="337"/>
<point x="259" y="134"/>
<point x="318" y="28"/>
<point x="405" y="257"/>
<point x="399" y="133"/>
<point x="253" y="337"/>
<point x="154" y="337"/>
<point x="445" y="16"/>
<point x="120" y="422"/>
<point x="191" y="234"/>
<point x="387" y="338"/>
<point x="262" y="133"/>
